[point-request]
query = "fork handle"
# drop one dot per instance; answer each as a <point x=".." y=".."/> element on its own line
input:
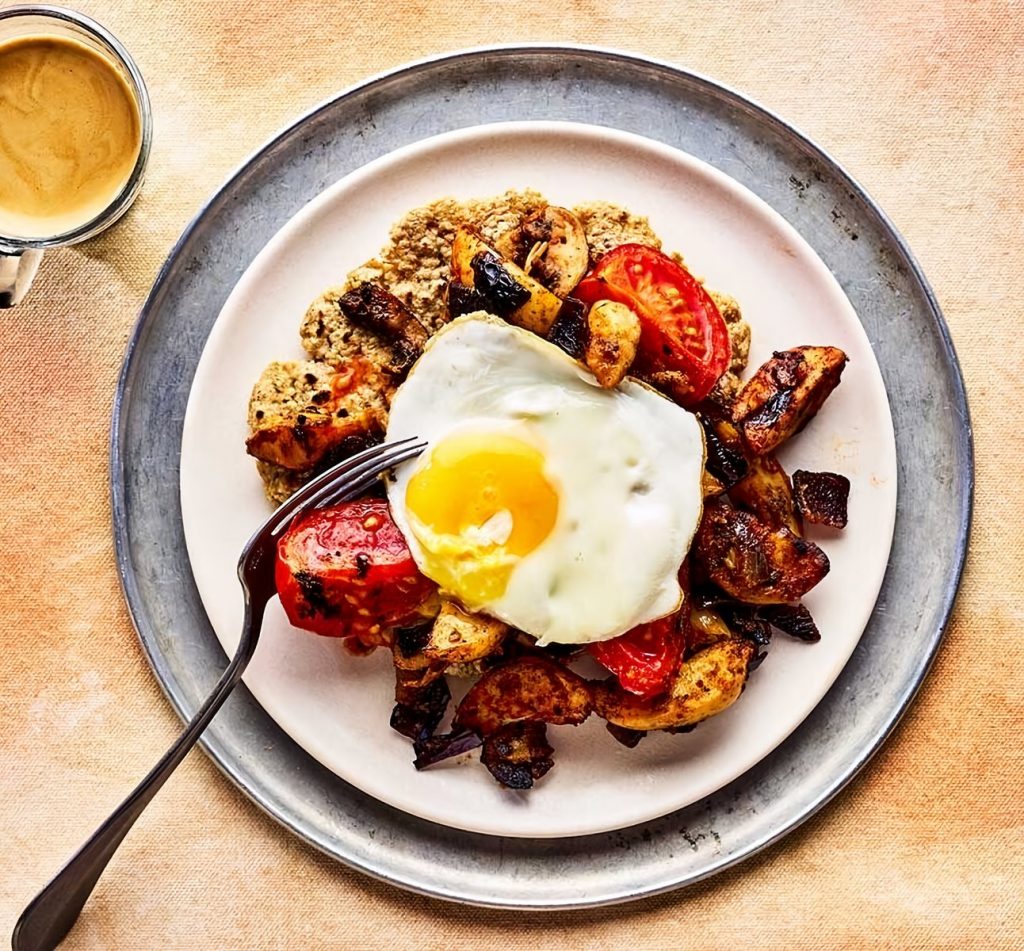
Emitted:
<point x="49" y="916"/>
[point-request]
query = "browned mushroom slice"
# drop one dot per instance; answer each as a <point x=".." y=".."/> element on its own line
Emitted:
<point x="461" y="300"/>
<point x="364" y="322"/>
<point x="551" y="246"/>
<point x="726" y="455"/>
<point x="792" y="619"/>
<point x="822" y="497"/>
<point x="442" y="746"/>
<point x="413" y="665"/>
<point x="628" y="738"/>
<point x="371" y="307"/>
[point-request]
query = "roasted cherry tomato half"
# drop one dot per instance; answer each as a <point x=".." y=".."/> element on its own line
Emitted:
<point x="346" y="571"/>
<point x="684" y="342"/>
<point x="646" y="658"/>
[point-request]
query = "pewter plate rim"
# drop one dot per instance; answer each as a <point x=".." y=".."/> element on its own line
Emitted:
<point x="953" y="570"/>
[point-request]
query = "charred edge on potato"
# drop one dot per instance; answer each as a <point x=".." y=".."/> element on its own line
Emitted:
<point x="766" y="492"/>
<point x="410" y="641"/>
<point x="752" y="561"/>
<point x="706" y="683"/>
<point x="786" y="392"/>
<point x="628" y="738"/>
<point x="518" y="754"/>
<point x="462" y="637"/>
<point x="725" y="463"/>
<point x="527" y="688"/>
<point x="418" y="715"/>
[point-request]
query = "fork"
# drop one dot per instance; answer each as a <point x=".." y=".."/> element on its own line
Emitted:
<point x="49" y="916"/>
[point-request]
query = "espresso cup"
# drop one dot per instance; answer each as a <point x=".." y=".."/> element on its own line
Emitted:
<point x="75" y="142"/>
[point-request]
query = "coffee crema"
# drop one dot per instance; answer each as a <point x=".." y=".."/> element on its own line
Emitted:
<point x="70" y="134"/>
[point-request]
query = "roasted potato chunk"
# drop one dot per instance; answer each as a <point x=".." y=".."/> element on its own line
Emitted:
<point x="414" y="669"/>
<point x="302" y="412"/>
<point x="528" y="688"/>
<point x="459" y="637"/>
<point x="551" y="246"/>
<point x="765" y="491"/>
<point x="508" y="290"/>
<point x="822" y="497"/>
<point x="707" y="683"/>
<point x="754" y="562"/>
<point x="784" y="394"/>
<point x="613" y="332"/>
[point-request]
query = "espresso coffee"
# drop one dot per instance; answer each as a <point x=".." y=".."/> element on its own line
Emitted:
<point x="70" y="134"/>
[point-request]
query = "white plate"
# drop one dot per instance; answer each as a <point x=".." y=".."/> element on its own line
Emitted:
<point x="337" y="706"/>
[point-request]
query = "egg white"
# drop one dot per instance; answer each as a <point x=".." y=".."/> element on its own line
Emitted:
<point x="627" y="464"/>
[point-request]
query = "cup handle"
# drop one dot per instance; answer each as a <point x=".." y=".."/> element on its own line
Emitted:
<point x="17" y="268"/>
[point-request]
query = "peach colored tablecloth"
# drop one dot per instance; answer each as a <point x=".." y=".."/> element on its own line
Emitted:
<point x="921" y="100"/>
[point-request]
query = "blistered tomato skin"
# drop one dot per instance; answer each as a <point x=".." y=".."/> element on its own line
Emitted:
<point x="646" y="658"/>
<point x="684" y="342"/>
<point x="346" y="571"/>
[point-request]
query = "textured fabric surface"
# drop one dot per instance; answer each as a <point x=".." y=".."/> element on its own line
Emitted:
<point x="920" y="100"/>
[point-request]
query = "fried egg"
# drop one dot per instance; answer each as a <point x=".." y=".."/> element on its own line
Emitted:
<point x="562" y="508"/>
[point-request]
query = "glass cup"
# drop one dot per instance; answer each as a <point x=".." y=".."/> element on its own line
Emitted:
<point x="20" y="257"/>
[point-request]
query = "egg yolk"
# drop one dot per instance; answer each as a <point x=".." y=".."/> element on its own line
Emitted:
<point x="479" y="505"/>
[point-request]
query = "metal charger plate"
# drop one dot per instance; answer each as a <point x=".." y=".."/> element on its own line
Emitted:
<point x="851" y="235"/>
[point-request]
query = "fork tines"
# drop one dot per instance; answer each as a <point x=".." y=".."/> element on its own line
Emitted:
<point x="348" y="478"/>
